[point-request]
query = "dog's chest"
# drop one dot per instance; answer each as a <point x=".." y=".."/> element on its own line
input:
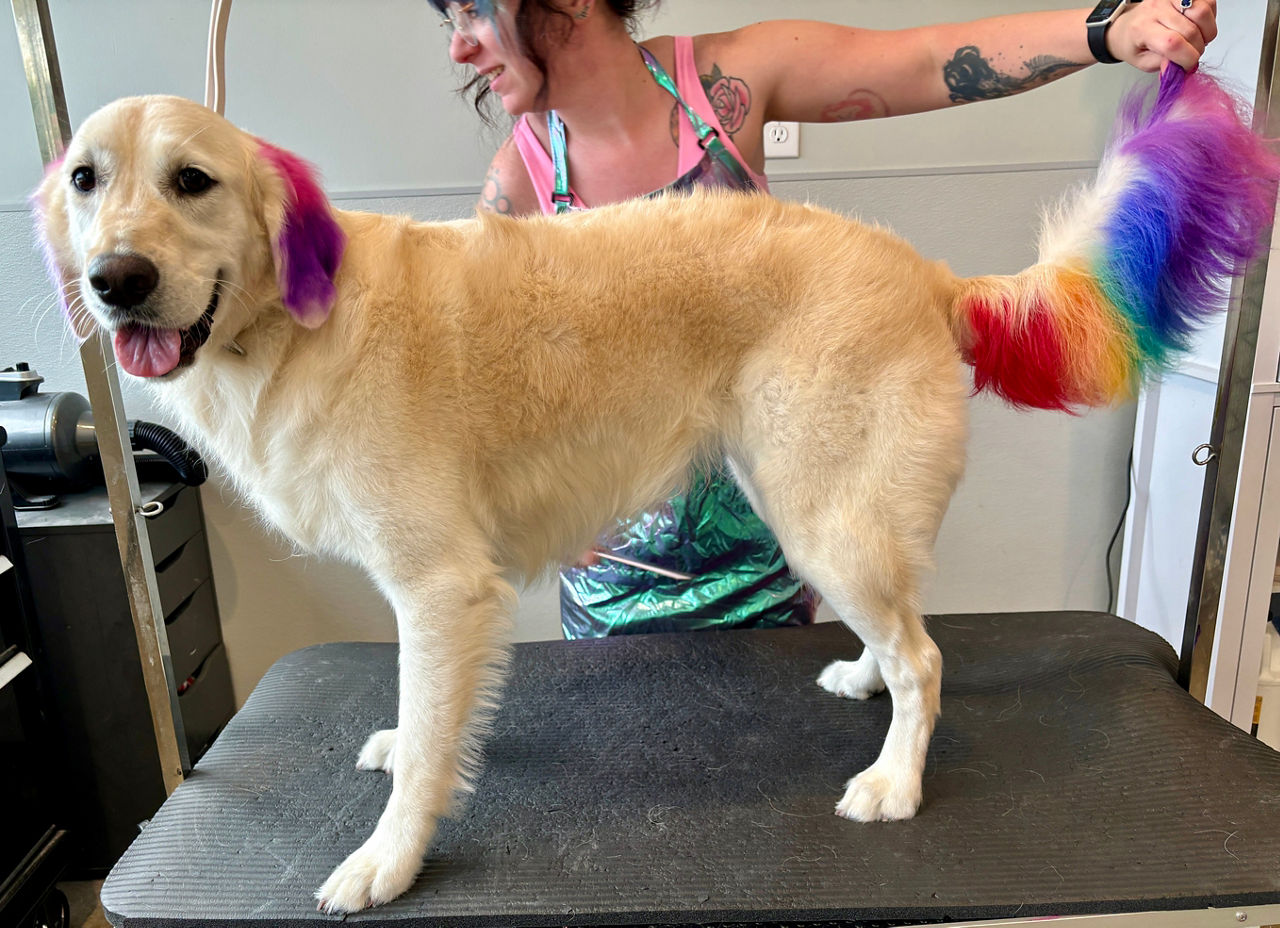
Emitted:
<point x="282" y="459"/>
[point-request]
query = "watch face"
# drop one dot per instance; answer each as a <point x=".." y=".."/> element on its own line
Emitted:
<point x="1104" y="11"/>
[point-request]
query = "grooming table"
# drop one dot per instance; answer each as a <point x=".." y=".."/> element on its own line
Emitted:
<point x="691" y="779"/>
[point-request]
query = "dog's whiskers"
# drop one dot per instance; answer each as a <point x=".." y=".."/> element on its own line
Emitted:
<point x="41" y="300"/>
<point x="194" y="134"/>
<point x="77" y="317"/>
<point x="43" y="305"/>
<point x="228" y="287"/>
<point x="240" y="294"/>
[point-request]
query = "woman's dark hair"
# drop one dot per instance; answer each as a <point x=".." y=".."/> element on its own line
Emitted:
<point x="540" y="25"/>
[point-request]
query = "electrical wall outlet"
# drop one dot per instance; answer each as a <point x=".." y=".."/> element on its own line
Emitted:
<point x="782" y="140"/>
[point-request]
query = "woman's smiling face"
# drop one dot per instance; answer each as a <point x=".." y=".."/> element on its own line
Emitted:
<point x="489" y="44"/>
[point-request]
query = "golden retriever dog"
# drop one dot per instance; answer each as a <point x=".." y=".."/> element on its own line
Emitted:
<point x="442" y="402"/>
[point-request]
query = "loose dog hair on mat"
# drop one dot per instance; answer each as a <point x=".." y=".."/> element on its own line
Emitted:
<point x="440" y="402"/>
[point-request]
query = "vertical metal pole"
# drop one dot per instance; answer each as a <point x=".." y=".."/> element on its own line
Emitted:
<point x="48" y="104"/>
<point x="1235" y="382"/>
<point x="215" y="83"/>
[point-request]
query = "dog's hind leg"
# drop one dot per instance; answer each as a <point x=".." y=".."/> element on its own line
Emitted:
<point x="900" y="651"/>
<point x="453" y="628"/>
<point x="860" y="679"/>
<point x="864" y="578"/>
<point x="855" y="489"/>
<point x="379" y="752"/>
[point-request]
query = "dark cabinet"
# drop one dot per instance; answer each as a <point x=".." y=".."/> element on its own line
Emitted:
<point x="34" y="841"/>
<point x="83" y="621"/>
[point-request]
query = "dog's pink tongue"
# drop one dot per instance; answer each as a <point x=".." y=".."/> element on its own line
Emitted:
<point x="147" y="352"/>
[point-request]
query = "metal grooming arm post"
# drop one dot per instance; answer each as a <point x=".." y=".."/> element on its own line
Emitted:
<point x="1226" y="440"/>
<point x="48" y="104"/>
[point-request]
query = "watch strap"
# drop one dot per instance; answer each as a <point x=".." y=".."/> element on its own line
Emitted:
<point x="1096" y="31"/>
<point x="1098" y="43"/>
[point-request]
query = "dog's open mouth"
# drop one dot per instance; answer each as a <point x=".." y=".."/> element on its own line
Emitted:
<point x="147" y="351"/>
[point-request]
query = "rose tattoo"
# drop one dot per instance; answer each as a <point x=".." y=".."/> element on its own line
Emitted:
<point x="729" y="96"/>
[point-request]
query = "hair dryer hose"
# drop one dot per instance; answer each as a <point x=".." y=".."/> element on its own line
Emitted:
<point x="152" y="437"/>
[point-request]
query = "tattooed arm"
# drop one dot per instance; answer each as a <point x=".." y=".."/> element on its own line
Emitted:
<point x="817" y="72"/>
<point x="970" y="75"/>
<point x="507" y="188"/>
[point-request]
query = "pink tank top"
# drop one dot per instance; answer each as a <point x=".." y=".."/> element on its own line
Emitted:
<point x="537" y="160"/>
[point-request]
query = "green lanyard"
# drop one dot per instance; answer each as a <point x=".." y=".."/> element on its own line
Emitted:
<point x="708" y="140"/>
<point x="561" y="196"/>
<point x="666" y="83"/>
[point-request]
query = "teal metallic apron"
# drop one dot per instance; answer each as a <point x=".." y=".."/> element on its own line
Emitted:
<point x="739" y="577"/>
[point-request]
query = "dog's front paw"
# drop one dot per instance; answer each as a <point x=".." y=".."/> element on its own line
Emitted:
<point x="374" y="874"/>
<point x="875" y="795"/>
<point x="858" y="679"/>
<point x="378" y="752"/>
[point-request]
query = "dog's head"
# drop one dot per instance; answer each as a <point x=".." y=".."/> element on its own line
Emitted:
<point x="165" y="225"/>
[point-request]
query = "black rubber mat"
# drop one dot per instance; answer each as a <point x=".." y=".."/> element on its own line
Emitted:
<point x="690" y="779"/>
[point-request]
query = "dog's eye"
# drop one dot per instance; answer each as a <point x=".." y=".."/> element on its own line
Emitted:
<point x="194" y="180"/>
<point x="84" y="179"/>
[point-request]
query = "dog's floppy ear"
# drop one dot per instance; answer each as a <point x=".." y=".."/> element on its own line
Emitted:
<point x="49" y="206"/>
<point x="306" y="240"/>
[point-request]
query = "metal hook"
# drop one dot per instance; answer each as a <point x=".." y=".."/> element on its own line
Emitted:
<point x="1203" y="454"/>
<point x="151" y="510"/>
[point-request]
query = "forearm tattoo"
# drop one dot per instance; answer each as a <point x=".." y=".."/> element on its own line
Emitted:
<point x="971" y="77"/>
<point x="491" y="196"/>
<point x="860" y="104"/>
<point x="729" y="96"/>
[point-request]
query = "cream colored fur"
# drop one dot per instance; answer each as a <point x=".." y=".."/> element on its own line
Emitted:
<point x="486" y="395"/>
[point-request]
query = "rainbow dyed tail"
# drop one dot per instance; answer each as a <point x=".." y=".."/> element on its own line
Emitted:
<point x="1131" y="266"/>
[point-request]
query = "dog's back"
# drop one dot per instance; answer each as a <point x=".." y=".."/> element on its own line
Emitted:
<point x="589" y="360"/>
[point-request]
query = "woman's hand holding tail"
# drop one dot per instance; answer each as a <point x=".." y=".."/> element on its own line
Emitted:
<point x="1153" y="33"/>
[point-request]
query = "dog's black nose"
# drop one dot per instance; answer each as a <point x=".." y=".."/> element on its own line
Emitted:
<point x="123" y="281"/>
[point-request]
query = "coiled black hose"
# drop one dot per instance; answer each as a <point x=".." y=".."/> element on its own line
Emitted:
<point x="185" y="460"/>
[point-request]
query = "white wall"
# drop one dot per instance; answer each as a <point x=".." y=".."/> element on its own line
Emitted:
<point x="363" y="90"/>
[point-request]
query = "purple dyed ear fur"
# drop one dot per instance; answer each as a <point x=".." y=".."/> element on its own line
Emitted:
<point x="309" y="243"/>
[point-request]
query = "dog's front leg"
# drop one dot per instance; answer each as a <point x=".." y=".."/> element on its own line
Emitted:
<point x="453" y="646"/>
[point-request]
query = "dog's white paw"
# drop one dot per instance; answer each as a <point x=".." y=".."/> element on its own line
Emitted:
<point x="875" y="795"/>
<point x="858" y="679"/>
<point x="374" y="874"/>
<point x="378" y="752"/>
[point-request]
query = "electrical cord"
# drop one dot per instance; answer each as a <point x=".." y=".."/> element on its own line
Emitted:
<point x="1124" y="514"/>
<point x="184" y="459"/>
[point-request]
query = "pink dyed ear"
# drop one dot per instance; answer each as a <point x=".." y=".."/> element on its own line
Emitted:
<point x="51" y="229"/>
<point x="307" y="241"/>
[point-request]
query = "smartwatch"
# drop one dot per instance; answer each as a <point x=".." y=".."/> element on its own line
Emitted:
<point x="1098" y="22"/>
